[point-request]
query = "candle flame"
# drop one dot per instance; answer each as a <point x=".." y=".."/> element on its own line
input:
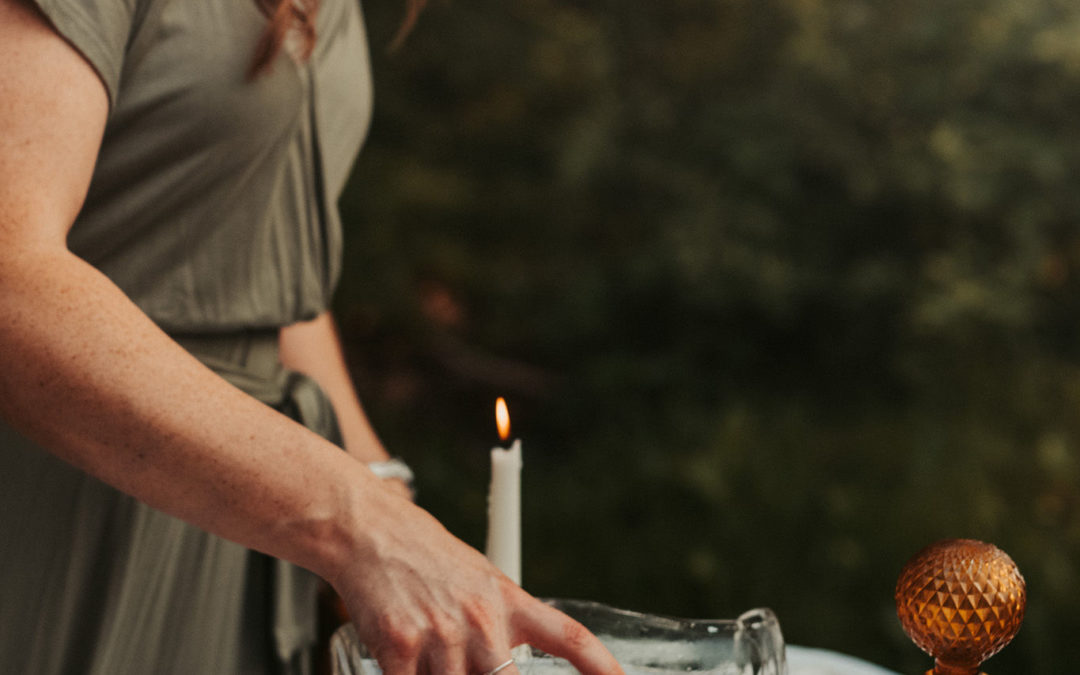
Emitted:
<point x="502" y="418"/>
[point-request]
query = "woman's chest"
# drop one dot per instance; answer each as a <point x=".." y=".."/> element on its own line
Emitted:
<point x="187" y="82"/>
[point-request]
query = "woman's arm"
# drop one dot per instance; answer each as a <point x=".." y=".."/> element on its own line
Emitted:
<point x="90" y="377"/>
<point x="93" y="380"/>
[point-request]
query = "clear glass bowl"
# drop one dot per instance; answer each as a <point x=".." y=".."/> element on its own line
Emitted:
<point x="644" y="644"/>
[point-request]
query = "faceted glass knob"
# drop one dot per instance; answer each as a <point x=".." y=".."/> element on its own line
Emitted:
<point x="961" y="601"/>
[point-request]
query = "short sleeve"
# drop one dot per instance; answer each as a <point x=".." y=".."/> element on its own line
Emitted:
<point x="99" y="29"/>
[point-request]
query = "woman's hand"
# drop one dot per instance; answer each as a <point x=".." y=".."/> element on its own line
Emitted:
<point x="398" y="487"/>
<point x="426" y="603"/>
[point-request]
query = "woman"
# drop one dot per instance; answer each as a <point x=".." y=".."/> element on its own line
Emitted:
<point x="167" y="223"/>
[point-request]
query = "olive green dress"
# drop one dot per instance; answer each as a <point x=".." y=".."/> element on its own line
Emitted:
<point x="213" y="206"/>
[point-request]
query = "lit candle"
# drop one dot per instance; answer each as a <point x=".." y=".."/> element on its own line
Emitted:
<point x="504" y="501"/>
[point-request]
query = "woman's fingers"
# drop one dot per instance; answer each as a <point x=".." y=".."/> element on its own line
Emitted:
<point x="551" y="631"/>
<point x="448" y="660"/>
<point x="436" y="649"/>
<point x="398" y="663"/>
<point x="444" y="654"/>
<point x="427" y="604"/>
<point x="398" y="652"/>
<point x="505" y="667"/>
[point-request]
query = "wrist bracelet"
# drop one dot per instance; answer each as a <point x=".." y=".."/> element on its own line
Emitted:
<point x="394" y="467"/>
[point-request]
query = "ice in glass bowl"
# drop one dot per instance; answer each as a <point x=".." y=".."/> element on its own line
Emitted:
<point x="644" y="644"/>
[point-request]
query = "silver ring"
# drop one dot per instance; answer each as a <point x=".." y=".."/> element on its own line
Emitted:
<point x="499" y="667"/>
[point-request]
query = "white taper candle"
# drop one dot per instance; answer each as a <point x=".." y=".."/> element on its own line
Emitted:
<point x="504" y="511"/>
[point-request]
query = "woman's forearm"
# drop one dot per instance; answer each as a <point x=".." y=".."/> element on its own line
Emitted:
<point x="93" y="380"/>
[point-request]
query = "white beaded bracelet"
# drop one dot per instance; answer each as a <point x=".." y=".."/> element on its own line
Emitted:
<point x="394" y="467"/>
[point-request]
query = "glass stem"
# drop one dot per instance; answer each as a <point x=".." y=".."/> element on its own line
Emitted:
<point x="952" y="669"/>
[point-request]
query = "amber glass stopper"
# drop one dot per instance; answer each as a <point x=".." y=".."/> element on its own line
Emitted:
<point x="961" y="601"/>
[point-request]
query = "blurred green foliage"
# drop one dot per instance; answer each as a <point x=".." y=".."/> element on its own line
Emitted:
<point x="779" y="291"/>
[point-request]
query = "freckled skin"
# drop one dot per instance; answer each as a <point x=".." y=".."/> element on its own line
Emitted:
<point x="93" y="380"/>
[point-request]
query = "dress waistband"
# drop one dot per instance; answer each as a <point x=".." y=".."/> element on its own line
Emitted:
<point x="254" y="352"/>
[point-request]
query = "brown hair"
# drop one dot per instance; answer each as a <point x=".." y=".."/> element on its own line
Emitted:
<point x="286" y="16"/>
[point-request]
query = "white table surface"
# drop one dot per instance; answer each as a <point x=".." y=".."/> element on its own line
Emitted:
<point x="808" y="661"/>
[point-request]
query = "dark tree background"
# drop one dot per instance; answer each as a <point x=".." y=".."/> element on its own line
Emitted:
<point x="779" y="292"/>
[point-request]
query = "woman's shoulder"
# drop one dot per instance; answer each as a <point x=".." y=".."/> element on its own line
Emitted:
<point x="99" y="29"/>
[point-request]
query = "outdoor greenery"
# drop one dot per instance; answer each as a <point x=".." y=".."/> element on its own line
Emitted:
<point x="779" y="292"/>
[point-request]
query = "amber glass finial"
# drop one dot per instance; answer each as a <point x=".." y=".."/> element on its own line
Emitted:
<point x="960" y="601"/>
